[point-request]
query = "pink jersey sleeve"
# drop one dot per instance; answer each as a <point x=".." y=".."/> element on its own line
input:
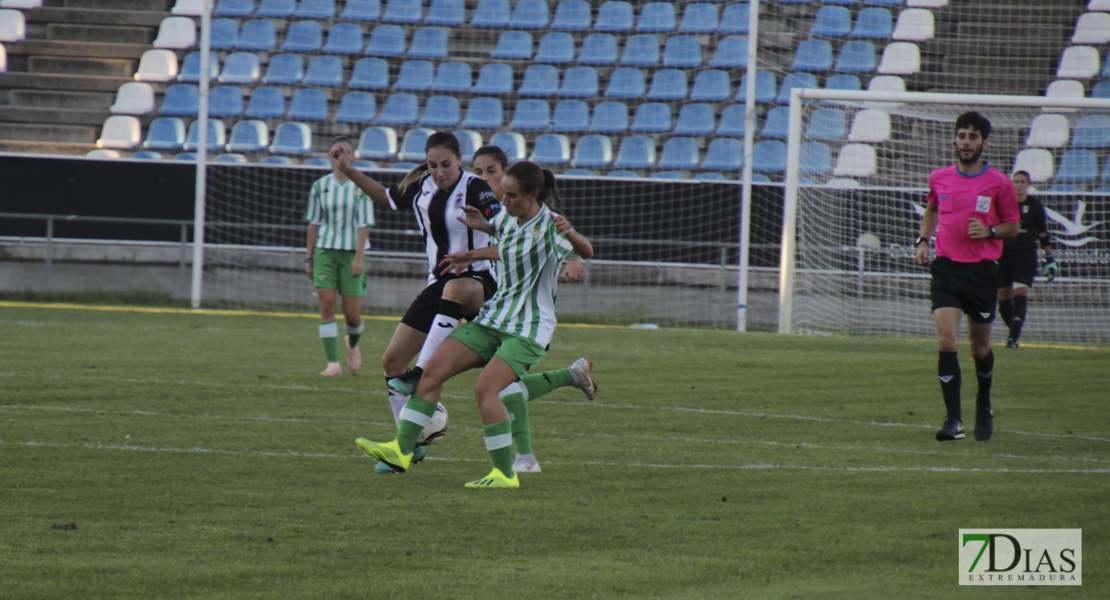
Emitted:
<point x="1008" y="211"/>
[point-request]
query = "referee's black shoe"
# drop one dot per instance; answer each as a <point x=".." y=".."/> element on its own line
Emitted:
<point x="984" y="426"/>
<point x="953" y="430"/>
<point x="1012" y="343"/>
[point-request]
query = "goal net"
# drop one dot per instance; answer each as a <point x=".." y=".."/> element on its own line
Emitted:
<point x="847" y="264"/>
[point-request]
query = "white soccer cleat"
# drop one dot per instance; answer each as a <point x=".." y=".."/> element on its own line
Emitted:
<point x="580" y="370"/>
<point x="526" y="463"/>
<point x="332" y="370"/>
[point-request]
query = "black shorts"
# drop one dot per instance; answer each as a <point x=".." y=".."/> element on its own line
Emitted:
<point x="422" y="310"/>
<point x="1018" y="268"/>
<point x="970" y="287"/>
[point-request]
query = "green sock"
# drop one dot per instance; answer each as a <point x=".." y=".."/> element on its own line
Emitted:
<point x="354" y="334"/>
<point x="415" y="416"/>
<point x="499" y="443"/>
<point x="539" y="384"/>
<point x="329" y="335"/>
<point x="516" y="402"/>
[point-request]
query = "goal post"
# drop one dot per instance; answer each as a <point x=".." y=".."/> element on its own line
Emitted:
<point x="846" y="262"/>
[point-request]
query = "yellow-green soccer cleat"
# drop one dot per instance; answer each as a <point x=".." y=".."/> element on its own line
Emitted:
<point x="388" y="452"/>
<point x="495" y="479"/>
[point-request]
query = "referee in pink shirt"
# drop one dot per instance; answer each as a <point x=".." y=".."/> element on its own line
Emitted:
<point x="972" y="207"/>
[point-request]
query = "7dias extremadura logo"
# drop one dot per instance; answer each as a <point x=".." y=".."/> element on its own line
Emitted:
<point x="1021" y="557"/>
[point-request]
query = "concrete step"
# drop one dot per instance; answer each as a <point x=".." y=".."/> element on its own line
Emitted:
<point x="96" y="101"/>
<point x="96" y="67"/>
<point x="43" y="147"/>
<point x="48" y="81"/>
<point x="148" y="5"/>
<point x="101" y="33"/>
<point x="55" y="116"/>
<point x="94" y="16"/>
<point x="40" y="47"/>
<point x="40" y="132"/>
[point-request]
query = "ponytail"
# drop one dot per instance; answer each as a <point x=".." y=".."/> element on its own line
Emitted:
<point x="416" y="174"/>
<point x="534" y="178"/>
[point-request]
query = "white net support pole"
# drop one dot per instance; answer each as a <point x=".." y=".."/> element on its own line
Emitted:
<point x="202" y="149"/>
<point x="746" y="190"/>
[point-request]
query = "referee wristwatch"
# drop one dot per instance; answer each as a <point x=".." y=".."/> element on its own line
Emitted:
<point x="920" y="240"/>
<point x="991" y="229"/>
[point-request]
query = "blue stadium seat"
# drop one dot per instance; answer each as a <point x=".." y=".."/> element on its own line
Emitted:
<point x="377" y="143"/>
<point x="636" y="152"/>
<point x="315" y="9"/>
<point x="843" y="81"/>
<point x="530" y="14"/>
<point x="641" y="50"/>
<point x="813" y="55"/>
<point x="412" y="145"/>
<point x="699" y="18"/>
<point x="183" y="156"/>
<point x="511" y="142"/>
<point x="815" y="158"/>
<point x="531" y="115"/>
<point x="180" y="100"/>
<point x="593" y="151"/>
<point x="344" y="38"/>
<point x="214" y="141"/>
<point x="724" y="154"/>
<point x="551" y="149"/>
<point x="386" y="40"/>
<point x="277" y="160"/>
<point x="610" y="116"/>
<point x="667" y="175"/>
<point x="568" y="172"/>
<point x="732" y="53"/>
<point x="827" y="125"/>
<point x="190" y="67"/>
<point x="598" y="49"/>
<point x="1065" y="188"/>
<point x="777" y="123"/>
<point x="357" y="107"/>
<point x="769" y="156"/>
<point x="570" y="115"/>
<point x="494" y="78"/>
<point x="539" y="80"/>
<point x="680" y="153"/>
<point x="146" y="155"/>
<point x="308" y="105"/>
<point x="579" y="82"/>
<point x="841" y="2"/>
<point x="441" y="112"/>
<point x="248" y="136"/>
<point x="223" y="34"/>
<point x="291" y="137"/>
<point x="713" y="85"/>
<point x="1105" y="178"/>
<point x="657" y="17"/>
<point x="257" y="35"/>
<point x="652" y="117"/>
<point x="614" y="16"/>
<point x="361" y="10"/>
<point x="695" y="118"/>
<point x="1092" y="131"/>
<point x="276" y="9"/>
<point x="446" y="13"/>
<point x="241" y="67"/>
<point x="429" y="42"/>
<point x="284" y="69"/>
<point x="1079" y="165"/>
<point x="1101" y="90"/>
<point x="682" y="52"/>
<point x="233" y="8"/>
<point x="469" y="141"/>
<point x="668" y="84"/>
<point x="303" y="36"/>
<point x="887" y="3"/>
<point x="572" y="15"/>
<point x="165" y="133"/>
<point x="760" y="178"/>
<point x="626" y="82"/>
<point x="324" y="71"/>
<point x="555" y="47"/>
<point x="403" y="12"/>
<point x="400" y="110"/>
<point x="492" y="14"/>
<point x="362" y="165"/>
<point x="369" y="74"/>
<point x="452" y="77"/>
<point x="710" y="176"/>
<point x="734" y="19"/>
<point x="625" y="173"/>
<point x="873" y="23"/>
<point x="766" y="87"/>
<point x="832" y="21"/>
<point x="513" y="45"/>
<point x="857" y="56"/>
<point x="225" y="101"/>
<point x="732" y="121"/>
<point x="793" y="80"/>
<point x="415" y="76"/>
<point x="266" y="103"/>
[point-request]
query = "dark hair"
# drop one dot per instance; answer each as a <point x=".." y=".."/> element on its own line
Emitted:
<point x="1022" y="172"/>
<point x="342" y="139"/>
<point x="975" y="121"/>
<point x="496" y="152"/>
<point x="439" y="139"/>
<point x="532" y="178"/>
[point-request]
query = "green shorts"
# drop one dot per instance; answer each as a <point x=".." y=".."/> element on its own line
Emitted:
<point x="519" y="353"/>
<point x="332" y="269"/>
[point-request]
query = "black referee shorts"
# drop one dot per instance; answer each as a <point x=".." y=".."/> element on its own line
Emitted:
<point x="1017" y="268"/>
<point x="426" y="305"/>
<point x="971" y="287"/>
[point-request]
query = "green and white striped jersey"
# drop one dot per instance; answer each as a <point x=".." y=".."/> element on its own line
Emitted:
<point x="339" y="209"/>
<point x="527" y="280"/>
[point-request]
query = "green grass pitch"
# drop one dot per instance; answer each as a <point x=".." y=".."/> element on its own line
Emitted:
<point x="162" y="454"/>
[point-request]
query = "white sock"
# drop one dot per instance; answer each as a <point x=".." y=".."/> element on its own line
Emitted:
<point x="397" y="403"/>
<point x="442" y="327"/>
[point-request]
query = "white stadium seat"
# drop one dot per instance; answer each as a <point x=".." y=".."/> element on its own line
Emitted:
<point x="885" y="83"/>
<point x="842" y="182"/>
<point x="1048" y="131"/>
<point x="177" y="33"/>
<point x="3" y="59"/>
<point x="1064" y="88"/>
<point x="120" y="132"/>
<point x="1078" y="62"/>
<point x="100" y="153"/>
<point x="157" y="66"/>
<point x="870" y="126"/>
<point x="1092" y="28"/>
<point x="13" y="27"/>
<point x="927" y="3"/>
<point x="1038" y="162"/>
<point x="1098" y="5"/>
<point x="856" y="160"/>
<point x="21" y="4"/>
<point x="914" y="25"/>
<point x="900" y="58"/>
<point x="134" y="98"/>
<point x="188" y="8"/>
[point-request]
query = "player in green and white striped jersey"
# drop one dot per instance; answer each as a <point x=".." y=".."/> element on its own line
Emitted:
<point x="510" y="334"/>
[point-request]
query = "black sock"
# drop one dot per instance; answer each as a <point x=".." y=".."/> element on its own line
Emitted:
<point x="1006" y="311"/>
<point x="1021" y="303"/>
<point x="948" y="369"/>
<point x="984" y="368"/>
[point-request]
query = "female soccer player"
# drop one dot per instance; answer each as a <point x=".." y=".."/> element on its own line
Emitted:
<point x="1018" y="265"/>
<point x="512" y="330"/>
<point x="339" y="218"/>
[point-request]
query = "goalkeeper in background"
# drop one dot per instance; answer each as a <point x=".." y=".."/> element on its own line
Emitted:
<point x="1018" y="265"/>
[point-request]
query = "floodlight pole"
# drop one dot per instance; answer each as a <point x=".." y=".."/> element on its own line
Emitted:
<point x="202" y="150"/>
<point x="746" y="189"/>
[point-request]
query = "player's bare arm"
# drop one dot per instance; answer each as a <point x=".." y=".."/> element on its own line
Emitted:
<point x="461" y="261"/>
<point x="356" y="263"/>
<point x="928" y="228"/>
<point x="582" y="246"/>
<point x="344" y="160"/>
